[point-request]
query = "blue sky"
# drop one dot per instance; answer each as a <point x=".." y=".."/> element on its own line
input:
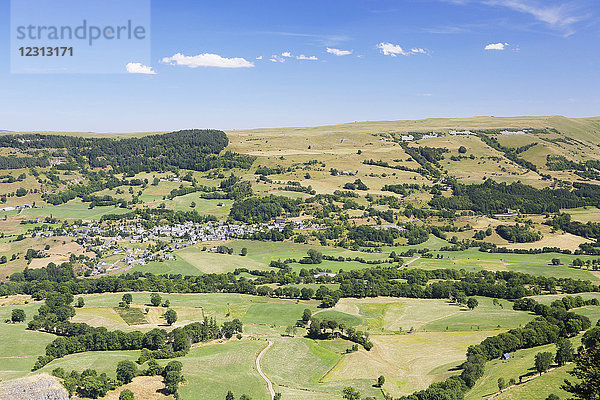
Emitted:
<point x="246" y="64"/>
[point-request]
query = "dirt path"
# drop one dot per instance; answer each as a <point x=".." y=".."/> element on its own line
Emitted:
<point x="261" y="373"/>
<point x="410" y="262"/>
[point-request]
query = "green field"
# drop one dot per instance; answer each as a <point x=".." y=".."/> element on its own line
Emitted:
<point x="520" y="364"/>
<point x="74" y="209"/>
<point x="534" y="264"/>
<point x="417" y="342"/>
<point x="299" y="367"/>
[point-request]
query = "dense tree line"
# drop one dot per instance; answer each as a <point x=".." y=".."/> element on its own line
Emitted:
<point x="590" y="230"/>
<point x="491" y="197"/>
<point x="370" y="282"/>
<point x="509" y="152"/>
<point x="150" y="217"/>
<point x="23" y="162"/>
<point x="365" y="235"/>
<point x="423" y="155"/>
<point x="264" y="209"/>
<point x="403" y="189"/>
<point x="188" y="149"/>
<point x="518" y="233"/>
<point x="385" y="164"/>
<point x="53" y="317"/>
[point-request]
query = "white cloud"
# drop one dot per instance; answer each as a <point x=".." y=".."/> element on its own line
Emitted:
<point x="338" y="52"/>
<point x="390" y="49"/>
<point x="207" y="60"/>
<point x="394" y="50"/>
<point x="496" y="46"/>
<point x="303" y="57"/>
<point x="275" y="58"/>
<point x="286" y="54"/>
<point x="259" y="57"/>
<point x="139" y="68"/>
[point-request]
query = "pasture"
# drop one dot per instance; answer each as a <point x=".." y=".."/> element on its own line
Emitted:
<point x="299" y="367"/>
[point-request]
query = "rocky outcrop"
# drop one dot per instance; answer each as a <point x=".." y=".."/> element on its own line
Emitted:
<point x="35" y="387"/>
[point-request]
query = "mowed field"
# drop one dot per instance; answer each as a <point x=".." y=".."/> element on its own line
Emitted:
<point x="299" y="367"/>
<point x="193" y="261"/>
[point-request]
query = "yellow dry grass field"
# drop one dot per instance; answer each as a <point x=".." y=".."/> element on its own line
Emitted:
<point x="406" y="360"/>
<point x="59" y="253"/>
<point x="143" y="387"/>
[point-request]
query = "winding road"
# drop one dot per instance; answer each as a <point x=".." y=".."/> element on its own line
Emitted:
<point x="262" y="374"/>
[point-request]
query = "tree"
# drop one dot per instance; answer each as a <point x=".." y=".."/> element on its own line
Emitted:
<point x="244" y="251"/>
<point x="230" y="396"/>
<point x="328" y="301"/>
<point x="351" y="394"/>
<point x="126" y="371"/>
<point x="277" y="396"/>
<point x="501" y="384"/>
<point x="290" y="330"/>
<point x="306" y="293"/>
<point x="314" y="330"/>
<point x="155" y="299"/>
<point x="331" y="324"/>
<point x="80" y="302"/>
<point x="555" y="261"/>
<point x="126" y="395"/>
<point x="3" y="260"/>
<point x="543" y="360"/>
<point x="172" y="380"/>
<point x="564" y="351"/>
<point x="472" y="303"/>
<point x="592" y="337"/>
<point x="306" y="315"/>
<point x="171" y="316"/>
<point x="316" y="257"/>
<point x="153" y="368"/>
<point x="552" y="396"/>
<point x="587" y="372"/>
<point x="462" y="149"/>
<point x="18" y="315"/>
<point x="127" y="298"/>
<point x="460" y="298"/>
<point x="380" y="381"/>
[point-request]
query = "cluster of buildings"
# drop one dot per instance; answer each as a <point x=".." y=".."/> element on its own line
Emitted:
<point x="109" y="242"/>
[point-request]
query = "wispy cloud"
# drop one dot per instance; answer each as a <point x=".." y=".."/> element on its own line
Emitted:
<point x="207" y="60"/>
<point x="286" y="54"/>
<point x="319" y="39"/>
<point x="139" y="68"/>
<point x="560" y="16"/>
<point x="309" y="58"/>
<point x="496" y="46"/>
<point x="338" y="52"/>
<point x="394" y="50"/>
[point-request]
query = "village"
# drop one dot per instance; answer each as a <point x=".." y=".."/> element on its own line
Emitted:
<point x="120" y="248"/>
